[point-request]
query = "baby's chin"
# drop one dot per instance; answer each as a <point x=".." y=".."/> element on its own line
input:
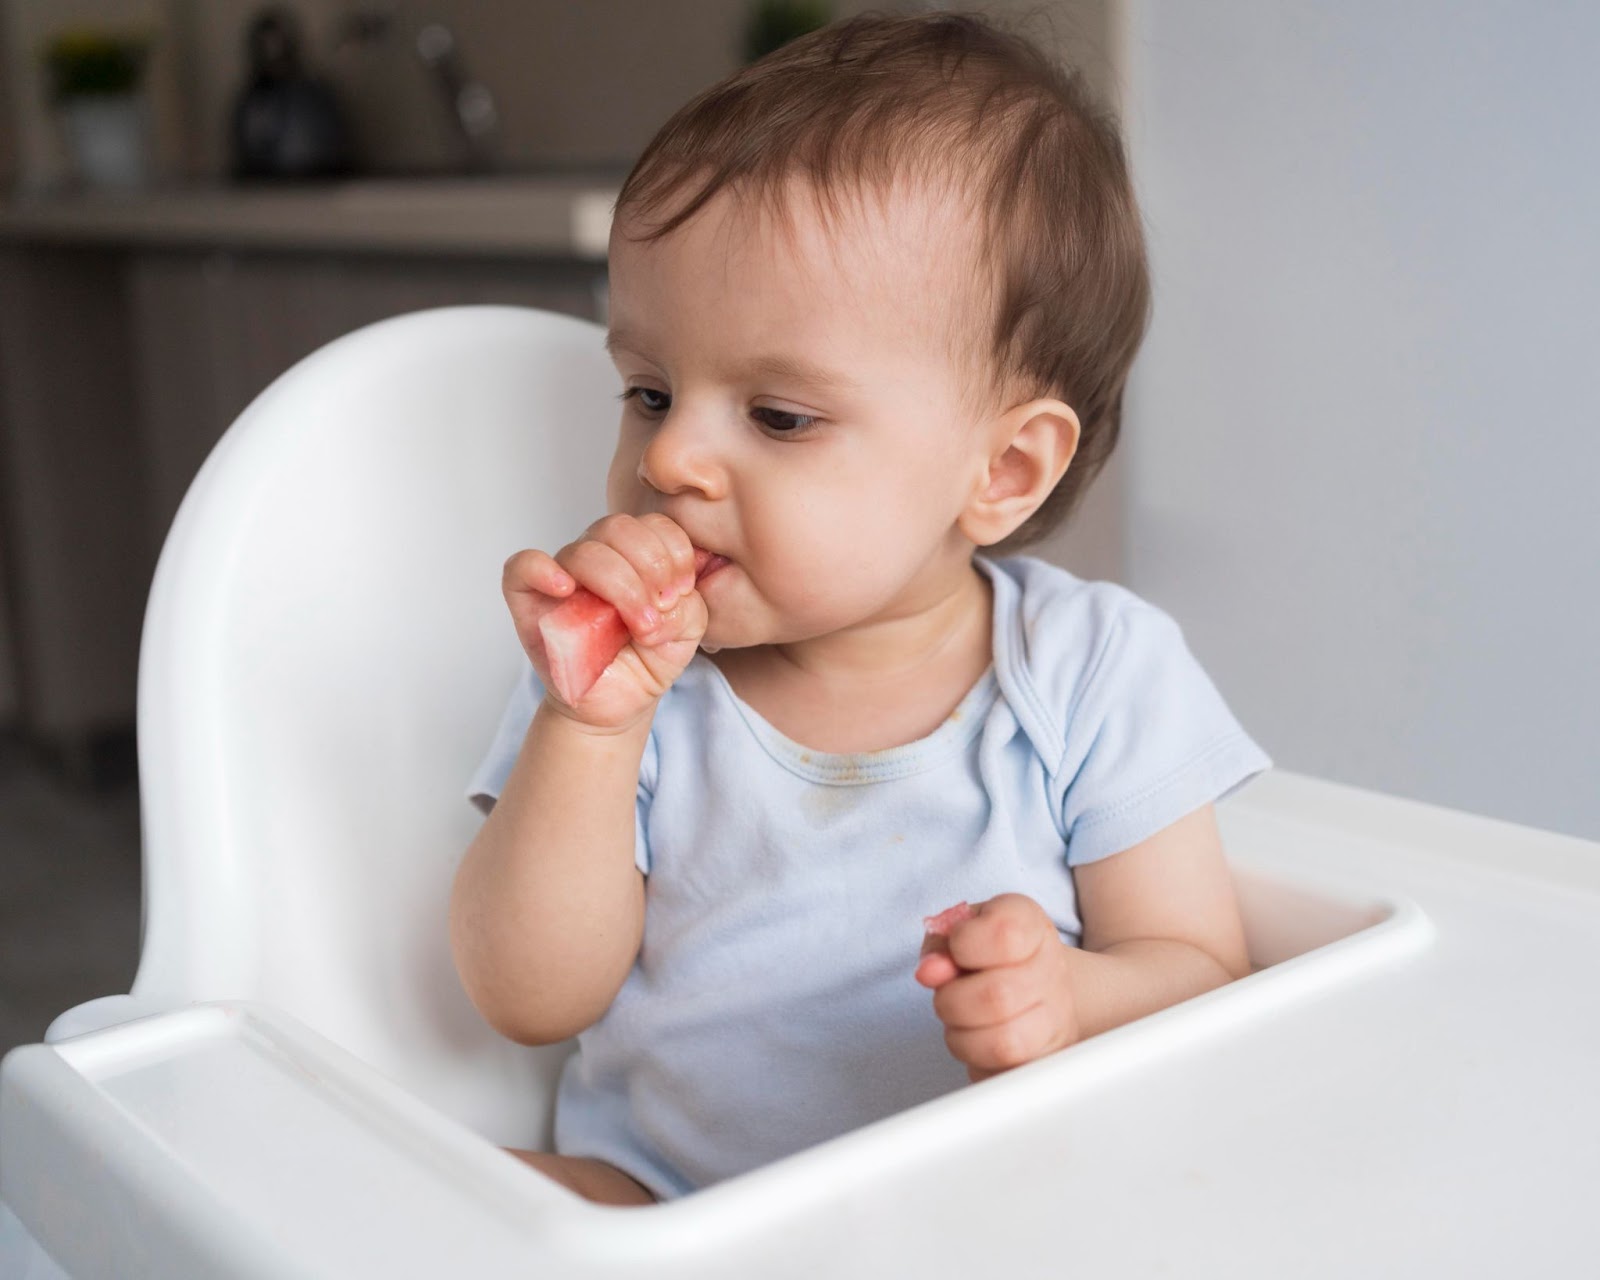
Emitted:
<point x="724" y="633"/>
<point x="739" y="618"/>
<point x="718" y="638"/>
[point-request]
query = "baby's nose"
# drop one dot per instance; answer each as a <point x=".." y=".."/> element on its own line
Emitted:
<point x="680" y="458"/>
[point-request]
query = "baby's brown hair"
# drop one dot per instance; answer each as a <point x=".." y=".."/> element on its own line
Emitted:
<point x="1060" y="271"/>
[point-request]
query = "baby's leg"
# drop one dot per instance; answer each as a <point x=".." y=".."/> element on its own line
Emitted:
<point x="592" y="1179"/>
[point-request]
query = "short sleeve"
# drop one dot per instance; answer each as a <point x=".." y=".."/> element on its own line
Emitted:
<point x="490" y="777"/>
<point x="1150" y="740"/>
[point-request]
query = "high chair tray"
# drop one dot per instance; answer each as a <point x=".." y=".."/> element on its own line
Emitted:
<point x="1405" y="1087"/>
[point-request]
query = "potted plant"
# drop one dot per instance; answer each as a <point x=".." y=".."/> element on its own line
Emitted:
<point x="94" y="79"/>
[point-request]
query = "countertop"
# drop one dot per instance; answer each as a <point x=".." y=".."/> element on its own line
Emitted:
<point x="562" y="214"/>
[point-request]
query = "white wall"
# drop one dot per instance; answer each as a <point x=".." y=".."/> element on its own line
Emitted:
<point x="1364" y="442"/>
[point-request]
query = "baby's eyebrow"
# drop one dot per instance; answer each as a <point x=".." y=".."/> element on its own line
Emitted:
<point x="792" y="369"/>
<point x="775" y="365"/>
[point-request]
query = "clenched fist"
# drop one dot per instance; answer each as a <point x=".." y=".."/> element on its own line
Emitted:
<point x="1001" y="985"/>
<point x="645" y="568"/>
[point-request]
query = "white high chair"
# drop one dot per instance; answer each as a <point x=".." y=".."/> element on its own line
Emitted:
<point x="297" y="1085"/>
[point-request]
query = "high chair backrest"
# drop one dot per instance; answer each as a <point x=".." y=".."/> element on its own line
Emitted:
<point x="326" y="654"/>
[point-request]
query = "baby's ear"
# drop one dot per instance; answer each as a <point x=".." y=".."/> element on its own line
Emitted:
<point x="1031" y="447"/>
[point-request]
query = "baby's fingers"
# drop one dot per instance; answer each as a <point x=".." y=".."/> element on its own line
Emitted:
<point x="605" y="571"/>
<point x="986" y="1050"/>
<point x="654" y="546"/>
<point x="986" y="998"/>
<point x="535" y="571"/>
<point x="1008" y="929"/>
<point x="676" y="577"/>
<point x="935" y="968"/>
<point x="687" y="618"/>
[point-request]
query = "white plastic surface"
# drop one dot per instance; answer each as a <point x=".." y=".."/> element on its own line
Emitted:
<point x="1412" y="1098"/>
<point x="1405" y="1087"/>
<point x="325" y="656"/>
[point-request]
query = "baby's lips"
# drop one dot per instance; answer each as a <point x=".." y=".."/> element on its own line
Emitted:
<point x="706" y="562"/>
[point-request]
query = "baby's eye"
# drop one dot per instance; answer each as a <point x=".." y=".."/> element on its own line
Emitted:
<point x="775" y="421"/>
<point x="644" y="404"/>
<point x="786" y="424"/>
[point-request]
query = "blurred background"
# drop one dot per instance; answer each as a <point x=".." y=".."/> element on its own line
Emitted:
<point x="1359" y="455"/>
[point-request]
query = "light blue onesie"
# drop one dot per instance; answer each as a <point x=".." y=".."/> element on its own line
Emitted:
<point x="772" y="1004"/>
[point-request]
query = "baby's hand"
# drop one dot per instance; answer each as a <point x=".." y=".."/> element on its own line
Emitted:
<point x="1001" y="985"/>
<point x="645" y="568"/>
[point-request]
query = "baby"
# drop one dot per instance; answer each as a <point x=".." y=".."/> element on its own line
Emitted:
<point x="873" y="303"/>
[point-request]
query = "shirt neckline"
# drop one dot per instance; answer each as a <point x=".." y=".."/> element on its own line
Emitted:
<point x="855" y="768"/>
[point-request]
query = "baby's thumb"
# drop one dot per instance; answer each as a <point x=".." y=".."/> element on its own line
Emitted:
<point x="936" y="967"/>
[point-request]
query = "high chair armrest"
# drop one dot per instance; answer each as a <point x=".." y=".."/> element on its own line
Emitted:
<point x="231" y="1139"/>
<point x="97" y="1015"/>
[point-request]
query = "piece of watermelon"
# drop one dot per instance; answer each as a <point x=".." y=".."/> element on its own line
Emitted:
<point x="941" y="924"/>
<point x="584" y="634"/>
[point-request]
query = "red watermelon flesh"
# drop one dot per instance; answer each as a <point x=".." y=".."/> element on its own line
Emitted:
<point x="584" y="634"/>
<point x="948" y="919"/>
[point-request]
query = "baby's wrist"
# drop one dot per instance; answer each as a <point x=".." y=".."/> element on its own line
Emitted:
<point x="563" y="719"/>
<point x="1066" y="997"/>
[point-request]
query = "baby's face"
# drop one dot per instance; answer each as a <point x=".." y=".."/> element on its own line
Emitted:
<point x="794" y="406"/>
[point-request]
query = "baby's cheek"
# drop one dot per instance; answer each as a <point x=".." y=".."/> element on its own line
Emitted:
<point x="624" y="491"/>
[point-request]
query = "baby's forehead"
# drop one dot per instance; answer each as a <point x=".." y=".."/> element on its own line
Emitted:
<point x="904" y="256"/>
<point x="853" y="275"/>
<point x="904" y="241"/>
<point x="897" y="233"/>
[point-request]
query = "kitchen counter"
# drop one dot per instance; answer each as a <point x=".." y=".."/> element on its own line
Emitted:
<point x="135" y="326"/>
<point x="565" y="215"/>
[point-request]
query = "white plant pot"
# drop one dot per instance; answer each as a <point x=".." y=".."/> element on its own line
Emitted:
<point x="107" y="134"/>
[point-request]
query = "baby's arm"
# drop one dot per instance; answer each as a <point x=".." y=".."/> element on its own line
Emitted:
<point x="1161" y="924"/>
<point x="547" y="910"/>
<point x="548" y="906"/>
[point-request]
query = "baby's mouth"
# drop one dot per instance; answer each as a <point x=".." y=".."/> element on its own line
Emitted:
<point x="706" y="563"/>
